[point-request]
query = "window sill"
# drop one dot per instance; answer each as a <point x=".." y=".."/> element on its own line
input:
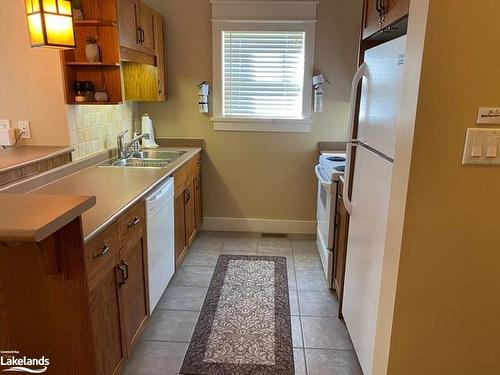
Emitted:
<point x="262" y="124"/>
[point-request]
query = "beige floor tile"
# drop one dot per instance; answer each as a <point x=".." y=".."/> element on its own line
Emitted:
<point x="294" y="302"/>
<point x="325" y="333"/>
<point x="274" y="243"/>
<point x="196" y="257"/>
<point x="240" y="243"/>
<point x="192" y="276"/>
<point x="299" y="360"/>
<point x="311" y="280"/>
<point x="296" y="332"/>
<point x="156" y="358"/>
<point x="332" y="362"/>
<point x="208" y="241"/>
<point x="182" y="298"/>
<point x="304" y="246"/>
<point x="318" y="303"/>
<point x="170" y="325"/>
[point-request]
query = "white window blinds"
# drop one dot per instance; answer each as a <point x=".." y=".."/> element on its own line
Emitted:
<point x="263" y="74"/>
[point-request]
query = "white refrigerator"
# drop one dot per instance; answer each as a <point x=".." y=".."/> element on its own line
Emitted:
<point x="382" y="76"/>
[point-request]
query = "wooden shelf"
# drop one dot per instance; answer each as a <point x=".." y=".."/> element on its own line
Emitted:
<point x="95" y="23"/>
<point x="78" y="63"/>
<point x="94" y="103"/>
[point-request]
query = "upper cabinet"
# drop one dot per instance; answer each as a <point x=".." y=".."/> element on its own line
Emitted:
<point x="380" y="15"/>
<point x="136" y="22"/>
<point x="119" y="54"/>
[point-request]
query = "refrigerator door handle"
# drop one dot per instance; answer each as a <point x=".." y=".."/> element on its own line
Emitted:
<point x="362" y="72"/>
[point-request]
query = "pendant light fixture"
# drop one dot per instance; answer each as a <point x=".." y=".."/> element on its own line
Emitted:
<point x="50" y="23"/>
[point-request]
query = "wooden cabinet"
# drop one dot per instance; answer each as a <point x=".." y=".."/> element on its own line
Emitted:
<point x="127" y="32"/>
<point x="342" y="228"/>
<point x="136" y="22"/>
<point x="381" y="14"/>
<point x="128" y="23"/>
<point x="160" y="56"/>
<point x="106" y="318"/>
<point x="118" y="288"/>
<point x="198" y="207"/>
<point x="187" y="206"/>
<point x="133" y="288"/>
<point x="147" y="29"/>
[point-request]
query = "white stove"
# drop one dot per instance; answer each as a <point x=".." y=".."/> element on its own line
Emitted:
<point x="331" y="166"/>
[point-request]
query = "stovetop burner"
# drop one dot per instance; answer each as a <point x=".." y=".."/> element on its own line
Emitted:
<point x="336" y="158"/>
<point x="340" y="168"/>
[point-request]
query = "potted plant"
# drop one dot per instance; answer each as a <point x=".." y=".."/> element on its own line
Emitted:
<point x="92" y="49"/>
<point x="76" y="6"/>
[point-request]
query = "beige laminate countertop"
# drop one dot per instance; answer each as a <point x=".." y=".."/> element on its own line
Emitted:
<point x="115" y="189"/>
<point x="19" y="156"/>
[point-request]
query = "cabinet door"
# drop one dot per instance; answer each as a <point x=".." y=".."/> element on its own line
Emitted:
<point x="128" y="23"/>
<point x="160" y="56"/>
<point x="189" y="210"/>
<point x="198" y="208"/>
<point x="133" y="271"/>
<point x="105" y="315"/>
<point x="147" y="25"/>
<point x="371" y="22"/>
<point x="394" y="10"/>
<point x="180" y="226"/>
<point x="342" y="219"/>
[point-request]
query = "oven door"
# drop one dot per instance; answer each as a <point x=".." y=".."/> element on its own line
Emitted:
<point x="325" y="212"/>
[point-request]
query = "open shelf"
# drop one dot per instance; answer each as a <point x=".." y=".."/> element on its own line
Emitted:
<point x="95" y="23"/>
<point x="94" y="103"/>
<point x="78" y="63"/>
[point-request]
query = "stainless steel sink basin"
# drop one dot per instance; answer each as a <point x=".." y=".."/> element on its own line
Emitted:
<point x="145" y="159"/>
<point x="138" y="163"/>
<point x="150" y="154"/>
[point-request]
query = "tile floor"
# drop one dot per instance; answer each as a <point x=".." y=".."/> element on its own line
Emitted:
<point x="321" y="343"/>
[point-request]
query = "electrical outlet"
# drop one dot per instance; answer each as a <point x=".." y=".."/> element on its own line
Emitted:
<point x="24" y="127"/>
<point x="5" y="124"/>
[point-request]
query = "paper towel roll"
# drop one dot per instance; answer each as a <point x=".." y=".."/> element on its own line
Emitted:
<point x="147" y="127"/>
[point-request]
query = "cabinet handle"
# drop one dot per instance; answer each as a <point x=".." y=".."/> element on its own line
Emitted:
<point x="381" y="9"/>
<point x="187" y="195"/>
<point x="142" y="35"/>
<point x="138" y="34"/>
<point x="197" y="182"/>
<point x="123" y="267"/>
<point x="103" y="252"/>
<point x="159" y="87"/>
<point x="133" y="222"/>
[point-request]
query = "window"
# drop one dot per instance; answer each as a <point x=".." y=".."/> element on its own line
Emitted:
<point x="263" y="74"/>
<point x="263" y="54"/>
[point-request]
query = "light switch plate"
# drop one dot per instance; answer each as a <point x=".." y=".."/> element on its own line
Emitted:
<point x="488" y="115"/>
<point x="482" y="147"/>
<point x="5" y="124"/>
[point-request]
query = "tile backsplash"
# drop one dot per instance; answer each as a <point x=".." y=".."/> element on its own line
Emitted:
<point x="93" y="128"/>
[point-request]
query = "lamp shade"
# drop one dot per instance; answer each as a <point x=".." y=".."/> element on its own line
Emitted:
<point x="50" y="23"/>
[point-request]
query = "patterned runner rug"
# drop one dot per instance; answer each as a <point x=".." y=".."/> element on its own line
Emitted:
<point x="244" y="325"/>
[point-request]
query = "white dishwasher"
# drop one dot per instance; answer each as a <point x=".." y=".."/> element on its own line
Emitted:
<point x="160" y="228"/>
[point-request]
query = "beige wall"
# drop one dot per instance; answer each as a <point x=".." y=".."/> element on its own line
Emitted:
<point x="255" y="175"/>
<point x="446" y="318"/>
<point x="30" y="80"/>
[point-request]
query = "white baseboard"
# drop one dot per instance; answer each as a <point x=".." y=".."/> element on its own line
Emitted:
<point x="231" y="224"/>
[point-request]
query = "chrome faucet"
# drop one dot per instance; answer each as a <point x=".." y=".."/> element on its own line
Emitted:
<point x="124" y="148"/>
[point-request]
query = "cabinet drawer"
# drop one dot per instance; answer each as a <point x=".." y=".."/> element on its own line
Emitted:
<point x="100" y="249"/>
<point x="131" y="223"/>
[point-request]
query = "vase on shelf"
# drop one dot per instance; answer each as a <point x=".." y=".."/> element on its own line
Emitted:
<point x="77" y="10"/>
<point x="92" y="50"/>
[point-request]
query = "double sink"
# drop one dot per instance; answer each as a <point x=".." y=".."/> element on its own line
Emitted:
<point x="144" y="159"/>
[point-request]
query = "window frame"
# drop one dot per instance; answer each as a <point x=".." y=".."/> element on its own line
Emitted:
<point x="233" y="123"/>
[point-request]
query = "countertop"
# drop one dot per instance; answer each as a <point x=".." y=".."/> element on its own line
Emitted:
<point x="115" y="189"/>
<point x="15" y="157"/>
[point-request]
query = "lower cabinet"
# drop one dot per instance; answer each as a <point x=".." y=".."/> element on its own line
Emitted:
<point x="188" y="212"/>
<point x="118" y="288"/>
<point x="342" y="225"/>
<point x="133" y="288"/>
<point x="106" y="317"/>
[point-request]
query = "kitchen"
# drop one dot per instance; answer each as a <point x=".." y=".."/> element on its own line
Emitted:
<point x="252" y="192"/>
